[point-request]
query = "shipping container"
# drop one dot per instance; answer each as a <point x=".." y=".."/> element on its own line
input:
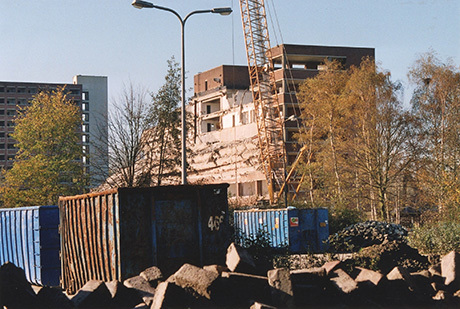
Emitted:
<point x="298" y="230"/>
<point x="29" y="239"/>
<point x="116" y="234"/>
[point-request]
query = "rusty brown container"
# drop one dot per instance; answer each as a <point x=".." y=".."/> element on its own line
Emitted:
<point x="114" y="235"/>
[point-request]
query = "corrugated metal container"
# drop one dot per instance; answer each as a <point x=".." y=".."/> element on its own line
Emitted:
<point x="29" y="238"/>
<point x="299" y="230"/>
<point x="116" y="234"/>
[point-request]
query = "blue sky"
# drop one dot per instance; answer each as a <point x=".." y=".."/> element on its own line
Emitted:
<point x="52" y="40"/>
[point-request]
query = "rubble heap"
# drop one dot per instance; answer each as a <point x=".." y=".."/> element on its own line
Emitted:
<point x="235" y="285"/>
<point x="365" y="234"/>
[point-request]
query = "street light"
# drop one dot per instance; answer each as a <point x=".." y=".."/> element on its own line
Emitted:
<point x="139" y="4"/>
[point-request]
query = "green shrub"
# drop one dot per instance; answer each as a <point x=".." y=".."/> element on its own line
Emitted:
<point x="340" y="218"/>
<point x="438" y="238"/>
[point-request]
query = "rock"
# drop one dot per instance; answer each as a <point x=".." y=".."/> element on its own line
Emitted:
<point x="48" y="297"/>
<point x="216" y="268"/>
<point x="121" y="295"/>
<point x="450" y="269"/>
<point x="168" y="294"/>
<point x="15" y="290"/>
<point x="330" y="266"/>
<point x="369" y="276"/>
<point x="238" y="289"/>
<point x="195" y="278"/>
<point x="343" y="282"/>
<point x="152" y="275"/>
<point x="281" y="286"/>
<point x="258" y="305"/>
<point x="142" y="287"/>
<point x="239" y="260"/>
<point x="94" y="294"/>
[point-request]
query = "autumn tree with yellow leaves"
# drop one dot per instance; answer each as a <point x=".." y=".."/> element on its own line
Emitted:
<point x="48" y="162"/>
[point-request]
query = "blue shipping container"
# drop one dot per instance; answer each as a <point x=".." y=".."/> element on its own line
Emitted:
<point x="299" y="230"/>
<point x="29" y="238"/>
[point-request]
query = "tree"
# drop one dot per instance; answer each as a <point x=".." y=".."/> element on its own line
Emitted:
<point x="127" y="122"/>
<point x="357" y="135"/>
<point x="436" y="105"/>
<point x="48" y="162"/>
<point x="382" y="149"/>
<point x="165" y="137"/>
<point x="324" y="114"/>
<point x="144" y="136"/>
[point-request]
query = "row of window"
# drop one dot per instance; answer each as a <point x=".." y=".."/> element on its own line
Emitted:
<point x="33" y="90"/>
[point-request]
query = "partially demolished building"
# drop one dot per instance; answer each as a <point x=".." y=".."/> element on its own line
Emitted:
<point x="224" y="145"/>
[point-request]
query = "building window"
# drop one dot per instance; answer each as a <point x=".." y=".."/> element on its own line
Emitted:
<point x="2" y="123"/>
<point x="21" y="89"/>
<point x="85" y="138"/>
<point x="74" y="91"/>
<point x="10" y="89"/>
<point x="32" y="90"/>
<point x="22" y="101"/>
<point x="2" y="100"/>
<point x="11" y="112"/>
<point x="2" y="135"/>
<point x="85" y="95"/>
<point x="2" y="89"/>
<point x="11" y="146"/>
<point x="10" y="124"/>
<point x="85" y="117"/>
<point x="11" y="101"/>
<point x="208" y="109"/>
<point x="205" y="85"/>
<point x="85" y="128"/>
<point x="209" y="127"/>
<point x="85" y="107"/>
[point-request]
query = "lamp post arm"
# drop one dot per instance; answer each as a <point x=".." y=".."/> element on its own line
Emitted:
<point x="196" y="12"/>
<point x="169" y="10"/>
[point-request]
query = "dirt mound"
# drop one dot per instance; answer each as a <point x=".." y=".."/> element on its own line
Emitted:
<point x="386" y="256"/>
<point x="365" y="234"/>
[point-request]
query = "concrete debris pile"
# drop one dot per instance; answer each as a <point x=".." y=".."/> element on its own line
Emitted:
<point x="365" y="234"/>
<point x="235" y="285"/>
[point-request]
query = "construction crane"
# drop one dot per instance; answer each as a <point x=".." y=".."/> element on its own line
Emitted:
<point x="269" y="120"/>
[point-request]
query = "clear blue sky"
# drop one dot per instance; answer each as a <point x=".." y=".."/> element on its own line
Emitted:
<point x="52" y="40"/>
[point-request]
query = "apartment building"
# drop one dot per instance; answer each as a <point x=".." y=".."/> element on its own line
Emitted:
<point x="225" y="137"/>
<point x="88" y="92"/>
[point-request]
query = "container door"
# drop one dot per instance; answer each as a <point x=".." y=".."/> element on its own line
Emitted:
<point x="176" y="234"/>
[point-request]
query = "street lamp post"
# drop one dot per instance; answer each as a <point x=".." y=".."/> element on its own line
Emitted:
<point x="222" y="11"/>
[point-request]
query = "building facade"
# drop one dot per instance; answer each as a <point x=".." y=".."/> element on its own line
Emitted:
<point x="88" y="92"/>
<point x="225" y="142"/>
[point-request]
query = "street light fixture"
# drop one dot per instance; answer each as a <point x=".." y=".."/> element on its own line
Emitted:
<point x="140" y="4"/>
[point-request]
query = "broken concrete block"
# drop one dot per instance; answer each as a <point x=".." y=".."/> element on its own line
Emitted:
<point x="216" y="268"/>
<point x="48" y="297"/>
<point x="195" y="278"/>
<point x="281" y="286"/>
<point x="435" y="270"/>
<point x="423" y="283"/>
<point x="450" y="269"/>
<point x="239" y="260"/>
<point x="309" y="276"/>
<point x="343" y="282"/>
<point x="169" y="294"/>
<point x="400" y="274"/>
<point x="237" y="289"/>
<point x="121" y="295"/>
<point x="441" y="295"/>
<point x="331" y="266"/>
<point x="258" y="305"/>
<point x="142" y="287"/>
<point x="15" y="290"/>
<point x="152" y="275"/>
<point x="370" y="276"/>
<point x="94" y="294"/>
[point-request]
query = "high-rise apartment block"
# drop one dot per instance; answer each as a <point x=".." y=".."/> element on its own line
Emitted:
<point x="88" y="92"/>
